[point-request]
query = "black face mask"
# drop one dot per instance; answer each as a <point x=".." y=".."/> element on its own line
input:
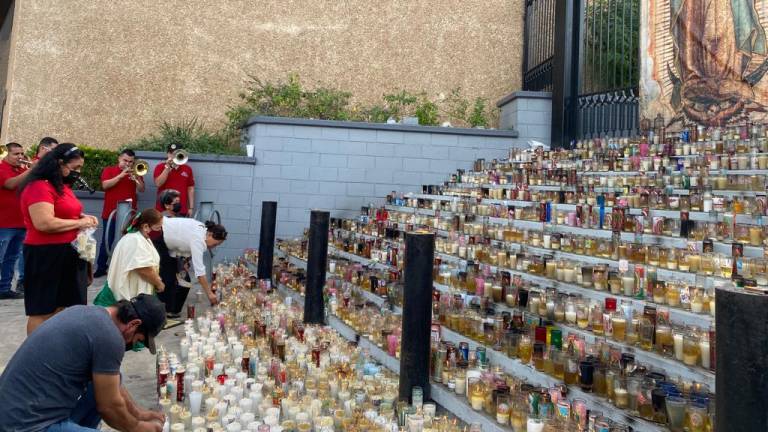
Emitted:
<point x="71" y="178"/>
<point x="176" y="207"/>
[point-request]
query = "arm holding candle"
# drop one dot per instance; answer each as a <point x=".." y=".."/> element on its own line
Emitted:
<point x="114" y="408"/>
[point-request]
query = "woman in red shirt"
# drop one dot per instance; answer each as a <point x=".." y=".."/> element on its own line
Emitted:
<point x="56" y="277"/>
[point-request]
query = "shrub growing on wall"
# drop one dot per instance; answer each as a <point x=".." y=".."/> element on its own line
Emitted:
<point x="96" y="160"/>
<point x="193" y="135"/>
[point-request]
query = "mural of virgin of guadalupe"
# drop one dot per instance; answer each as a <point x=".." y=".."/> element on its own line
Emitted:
<point x="720" y="54"/>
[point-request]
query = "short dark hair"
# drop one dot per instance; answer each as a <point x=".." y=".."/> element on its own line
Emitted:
<point x="127" y="152"/>
<point x="167" y="196"/>
<point x="126" y="312"/>
<point x="218" y="232"/>
<point x="12" y="145"/>
<point x="48" y="141"/>
<point x="172" y="147"/>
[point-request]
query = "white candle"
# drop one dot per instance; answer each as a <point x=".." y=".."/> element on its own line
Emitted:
<point x="198" y="422"/>
<point x="195" y="400"/>
<point x="704" y="347"/>
<point x="177" y="427"/>
<point x="184" y="350"/>
<point x="570" y="316"/>
<point x="247" y="418"/>
<point x="237" y="350"/>
<point x="246" y="405"/>
<point x="535" y="425"/>
<point x="678" y="338"/>
<point x="234" y="427"/>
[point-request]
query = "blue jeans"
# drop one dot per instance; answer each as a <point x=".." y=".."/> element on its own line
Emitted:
<point x="102" y="263"/>
<point x="84" y="418"/>
<point x="11" y="243"/>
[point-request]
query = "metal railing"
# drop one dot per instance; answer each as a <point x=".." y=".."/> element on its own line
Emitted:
<point x="539" y="48"/>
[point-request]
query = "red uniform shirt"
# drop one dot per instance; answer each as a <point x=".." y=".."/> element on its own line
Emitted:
<point x="65" y="206"/>
<point x="125" y="189"/>
<point x="10" y="215"/>
<point x="179" y="179"/>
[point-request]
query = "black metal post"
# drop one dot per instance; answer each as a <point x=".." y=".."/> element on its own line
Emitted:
<point x="267" y="239"/>
<point x="417" y="314"/>
<point x="565" y="72"/>
<point x="317" y="259"/>
<point x="741" y="400"/>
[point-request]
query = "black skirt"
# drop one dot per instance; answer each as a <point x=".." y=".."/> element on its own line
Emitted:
<point x="55" y="277"/>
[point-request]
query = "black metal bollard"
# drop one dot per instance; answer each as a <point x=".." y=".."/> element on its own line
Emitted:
<point x="317" y="259"/>
<point x="741" y="400"/>
<point x="417" y="314"/>
<point x="267" y="239"/>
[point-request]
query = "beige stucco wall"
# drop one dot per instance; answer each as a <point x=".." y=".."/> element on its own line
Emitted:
<point x="103" y="72"/>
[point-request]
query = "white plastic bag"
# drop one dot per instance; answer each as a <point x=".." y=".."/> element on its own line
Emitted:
<point x="85" y="244"/>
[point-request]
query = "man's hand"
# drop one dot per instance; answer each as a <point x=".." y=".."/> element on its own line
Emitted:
<point x="152" y="416"/>
<point x="213" y="298"/>
<point x="148" y="426"/>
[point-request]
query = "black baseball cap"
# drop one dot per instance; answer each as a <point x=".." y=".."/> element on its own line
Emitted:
<point x="151" y="312"/>
<point x="174" y="146"/>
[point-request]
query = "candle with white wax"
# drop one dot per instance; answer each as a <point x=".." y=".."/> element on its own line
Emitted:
<point x="195" y="401"/>
<point x="177" y="427"/>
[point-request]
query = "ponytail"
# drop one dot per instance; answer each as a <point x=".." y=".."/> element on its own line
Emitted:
<point x="148" y="216"/>
<point x="218" y="232"/>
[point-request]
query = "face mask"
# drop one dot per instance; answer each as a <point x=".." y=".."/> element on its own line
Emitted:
<point x="135" y="347"/>
<point x="72" y="177"/>
<point x="176" y="207"/>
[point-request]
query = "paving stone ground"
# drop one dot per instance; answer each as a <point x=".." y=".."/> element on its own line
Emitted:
<point x="138" y="369"/>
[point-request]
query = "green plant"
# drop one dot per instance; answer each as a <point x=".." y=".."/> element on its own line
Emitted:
<point x="193" y="135"/>
<point x="456" y="106"/>
<point x="96" y="160"/>
<point x="399" y="104"/>
<point x="478" y="117"/>
<point x="372" y="114"/>
<point x="427" y="112"/>
<point x="327" y="104"/>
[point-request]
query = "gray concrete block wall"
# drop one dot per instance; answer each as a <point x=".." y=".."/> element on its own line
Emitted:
<point x="529" y="113"/>
<point x="312" y="164"/>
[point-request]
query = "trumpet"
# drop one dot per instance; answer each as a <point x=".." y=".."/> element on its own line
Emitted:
<point x="178" y="158"/>
<point x="140" y="168"/>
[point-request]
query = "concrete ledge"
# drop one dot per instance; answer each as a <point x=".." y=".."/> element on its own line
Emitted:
<point x="523" y="94"/>
<point x="291" y="121"/>
<point x="196" y="157"/>
<point x="84" y="195"/>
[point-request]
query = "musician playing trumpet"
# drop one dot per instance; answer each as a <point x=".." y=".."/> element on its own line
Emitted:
<point x="13" y="169"/>
<point x="176" y="174"/>
<point x="120" y="182"/>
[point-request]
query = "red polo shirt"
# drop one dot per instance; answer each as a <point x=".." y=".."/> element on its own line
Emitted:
<point x="10" y="216"/>
<point x="125" y="189"/>
<point x="65" y="206"/>
<point x="179" y="179"/>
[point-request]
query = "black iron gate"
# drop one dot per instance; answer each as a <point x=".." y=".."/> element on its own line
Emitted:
<point x="587" y="53"/>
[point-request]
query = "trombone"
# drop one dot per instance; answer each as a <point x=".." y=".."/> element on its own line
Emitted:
<point x="178" y="158"/>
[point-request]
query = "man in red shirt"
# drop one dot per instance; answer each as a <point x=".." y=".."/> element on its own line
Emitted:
<point x="46" y="144"/>
<point x="171" y="176"/>
<point x="119" y="184"/>
<point x="12" y="231"/>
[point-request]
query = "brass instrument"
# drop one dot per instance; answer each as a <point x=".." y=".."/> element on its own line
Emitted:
<point x="3" y="151"/>
<point x="140" y="168"/>
<point x="179" y="158"/>
<point x="25" y="161"/>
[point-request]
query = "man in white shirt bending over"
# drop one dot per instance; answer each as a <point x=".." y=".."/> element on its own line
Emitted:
<point x="185" y="237"/>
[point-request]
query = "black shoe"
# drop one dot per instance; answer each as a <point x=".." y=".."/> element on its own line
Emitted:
<point x="10" y="295"/>
<point x="173" y="315"/>
<point x="100" y="273"/>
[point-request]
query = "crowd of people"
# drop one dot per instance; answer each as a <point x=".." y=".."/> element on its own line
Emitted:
<point x="65" y="376"/>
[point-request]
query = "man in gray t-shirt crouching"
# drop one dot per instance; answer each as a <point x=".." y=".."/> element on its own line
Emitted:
<point x="66" y="376"/>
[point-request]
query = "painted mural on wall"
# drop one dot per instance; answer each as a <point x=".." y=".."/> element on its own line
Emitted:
<point x="704" y="61"/>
